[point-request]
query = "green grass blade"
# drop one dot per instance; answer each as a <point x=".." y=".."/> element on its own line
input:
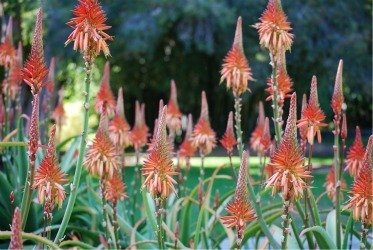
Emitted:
<point x="323" y="239"/>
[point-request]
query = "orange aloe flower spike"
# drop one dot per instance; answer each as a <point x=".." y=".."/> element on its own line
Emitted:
<point x="186" y="148"/>
<point x="115" y="189"/>
<point x="355" y="154"/>
<point x="139" y="132"/>
<point x="312" y="118"/>
<point x="203" y="136"/>
<point x="330" y="184"/>
<point x="236" y="70"/>
<point x="49" y="178"/>
<point x="173" y="115"/>
<point x="7" y="50"/>
<point x="239" y="209"/>
<point x="274" y="29"/>
<point x="229" y="140"/>
<point x="89" y="35"/>
<point x="288" y="161"/>
<point x="102" y="157"/>
<point x="105" y="96"/>
<point x="16" y="228"/>
<point x="259" y="129"/>
<point x="344" y="127"/>
<point x="284" y="85"/>
<point x="119" y="129"/>
<point x="337" y="98"/>
<point x="361" y="198"/>
<point x="158" y="168"/>
<point x="35" y="69"/>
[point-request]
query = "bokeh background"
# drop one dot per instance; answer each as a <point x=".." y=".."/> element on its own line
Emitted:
<point x="156" y="41"/>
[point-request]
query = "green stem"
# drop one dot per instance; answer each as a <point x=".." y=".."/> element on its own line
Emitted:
<point x="285" y="225"/>
<point x="275" y="105"/>
<point x="79" y="166"/>
<point x="311" y="244"/>
<point x="296" y="234"/>
<point x="104" y="212"/>
<point x="202" y="168"/>
<point x="364" y="234"/>
<point x="115" y="225"/>
<point x="337" y="169"/>
<point x="231" y="164"/>
<point x="76" y="243"/>
<point x="4" y="235"/>
<point x="237" y="117"/>
<point x="262" y="223"/>
<point x="4" y="144"/>
<point x="160" y="234"/>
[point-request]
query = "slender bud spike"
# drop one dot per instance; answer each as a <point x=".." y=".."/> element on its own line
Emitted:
<point x="291" y="125"/>
<point x="16" y="236"/>
<point x="173" y="92"/>
<point x="238" y="35"/>
<point x="337" y="98"/>
<point x="34" y="128"/>
<point x="204" y="107"/>
<point x="9" y="30"/>
<point x="314" y="99"/>
<point x="161" y="105"/>
<point x="241" y="188"/>
<point x="120" y="103"/>
<point x="189" y="128"/>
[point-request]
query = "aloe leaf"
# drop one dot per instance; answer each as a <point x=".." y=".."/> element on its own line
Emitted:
<point x="323" y="239"/>
<point x="330" y="226"/>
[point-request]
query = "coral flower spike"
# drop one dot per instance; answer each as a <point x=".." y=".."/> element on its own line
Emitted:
<point x="330" y="184"/>
<point x="49" y="178"/>
<point x="229" y="140"/>
<point x="173" y="115"/>
<point x="115" y="189"/>
<point x="284" y="85"/>
<point x="312" y="118"/>
<point x="186" y="148"/>
<point x="119" y="129"/>
<point x="139" y="133"/>
<point x="361" y="199"/>
<point x="102" y="157"/>
<point x="203" y="136"/>
<point x="35" y="69"/>
<point x="7" y="50"/>
<point x="239" y="209"/>
<point x="158" y="167"/>
<point x="256" y="135"/>
<point x="290" y="173"/>
<point x="89" y="35"/>
<point x="236" y="70"/>
<point x="274" y="29"/>
<point x="355" y="155"/>
<point x="105" y="96"/>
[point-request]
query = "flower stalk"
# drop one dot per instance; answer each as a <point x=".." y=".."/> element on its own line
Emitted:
<point x="237" y="118"/>
<point x="285" y="224"/>
<point x="82" y="148"/>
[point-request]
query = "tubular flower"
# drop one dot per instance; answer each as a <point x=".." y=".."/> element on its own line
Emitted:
<point x="274" y="29"/>
<point x="239" y="209"/>
<point x="337" y="98"/>
<point x="139" y="132"/>
<point x="203" y="137"/>
<point x="119" y="129"/>
<point x="7" y="50"/>
<point x="48" y="177"/>
<point x="229" y="140"/>
<point x="284" y="86"/>
<point x="158" y="168"/>
<point x="35" y="69"/>
<point x="288" y="161"/>
<point x="173" y="115"/>
<point x="236" y="70"/>
<point x="186" y="148"/>
<point x="16" y="228"/>
<point x="89" y="35"/>
<point x="330" y="184"/>
<point x="105" y="96"/>
<point x="361" y="199"/>
<point x="115" y="189"/>
<point x="102" y="157"/>
<point x="256" y="135"/>
<point x="312" y="116"/>
<point x="355" y="155"/>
